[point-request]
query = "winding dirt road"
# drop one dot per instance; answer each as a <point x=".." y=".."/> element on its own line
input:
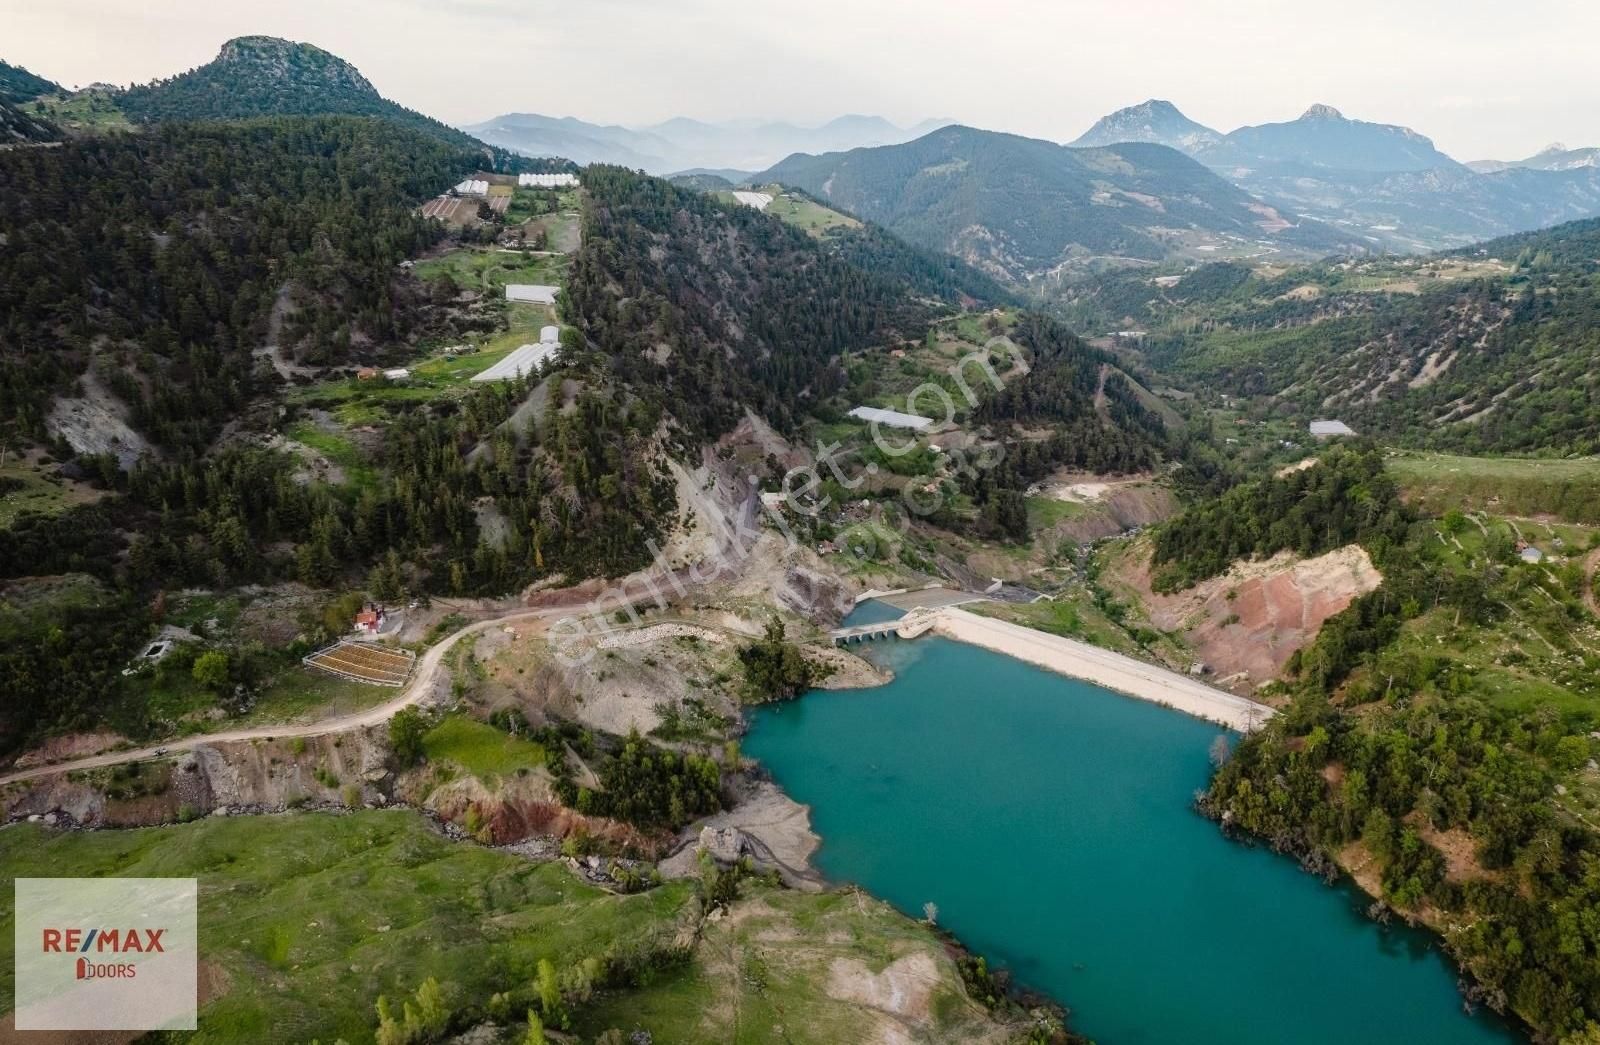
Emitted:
<point x="426" y="676"/>
<point x="422" y="683"/>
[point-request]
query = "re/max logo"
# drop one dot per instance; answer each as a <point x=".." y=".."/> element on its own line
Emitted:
<point x="102" y="941"/>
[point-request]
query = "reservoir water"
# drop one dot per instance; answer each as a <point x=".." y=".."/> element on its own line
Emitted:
<point x="1050" y="821"/>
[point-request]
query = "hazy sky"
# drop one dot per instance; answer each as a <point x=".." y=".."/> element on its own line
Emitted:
<point x="1482" y="78"/>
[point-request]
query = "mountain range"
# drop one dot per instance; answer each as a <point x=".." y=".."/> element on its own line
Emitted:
<point x="1388" y="183"/>
<point x="681" y="143"/>
<point x="1019" y="207"/>
<point x="1555" y="157"/>
<point x="1168" y="186"/>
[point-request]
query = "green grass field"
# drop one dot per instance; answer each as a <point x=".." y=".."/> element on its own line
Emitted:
<point x="26" y="487"/>
<point x="1073" y="616"/>
<point x="355" y="402"/>
<point x="85" y="112"/>
<point x="301" y="694"/>
<point x="1566" y="489"/>
<point x="489" y="269"/>
<point x="1045" y="512"/>
<point x="480" y="749"/>
<point x="306" y="918"/>
<point x="807" y="214"/>
<point x="293" y="694"/>
<point x="338" y="448"/>
<point x="766" y="976"/>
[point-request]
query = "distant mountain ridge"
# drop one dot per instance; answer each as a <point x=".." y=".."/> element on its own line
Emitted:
<point x="1324" y="137"/>
<point x="1156" y="121"/>
<point x="682" y="143"/>
<point x="1017" y="207"/>
<point x="1556" y="157"/>
<point x="1386" y="183"/>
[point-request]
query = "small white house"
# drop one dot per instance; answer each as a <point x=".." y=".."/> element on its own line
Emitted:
<point x="473" y="187"/>
<point x="398" y="373"/>
<point x="1530" y="554"/>
<point x="549" y="335"/>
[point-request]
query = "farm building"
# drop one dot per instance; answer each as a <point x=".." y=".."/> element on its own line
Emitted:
<point x="549" y="335"/>
<point x="472" y="187"/>
<point x="370" y="620"/>
<point x="533" y="293"/>
<point x="524" y="360"/>
<point x="758" y="200"/>
<point x="891" y="418"/>
<point x="1329" y="429"/>
<point x="398" y="373"/>
<point x="1530" y="554"/>
<point x="547" y="181"/>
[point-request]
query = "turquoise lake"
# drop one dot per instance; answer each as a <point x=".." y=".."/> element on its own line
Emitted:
<point x="1050" y="821"/>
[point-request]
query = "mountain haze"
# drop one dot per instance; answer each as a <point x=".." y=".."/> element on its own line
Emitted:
<point x="1556" y="157"/>
<point x="1154" y="121"/>
<point x="683" y="144"/>
<point x="1324" y="138"/>
<point x="1388" y="185"/>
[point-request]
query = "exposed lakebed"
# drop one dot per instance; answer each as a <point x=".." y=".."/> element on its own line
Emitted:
<point x="1050" y="821"/>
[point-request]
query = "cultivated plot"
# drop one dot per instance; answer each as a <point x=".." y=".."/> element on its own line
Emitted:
<point x="379" y="666"/>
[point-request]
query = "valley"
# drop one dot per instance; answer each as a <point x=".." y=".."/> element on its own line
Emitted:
<point x="442" y="545"/>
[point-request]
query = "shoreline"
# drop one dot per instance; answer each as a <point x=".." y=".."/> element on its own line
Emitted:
<point x="1114" y="671"/>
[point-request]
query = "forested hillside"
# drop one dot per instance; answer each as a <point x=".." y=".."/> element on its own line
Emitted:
<point x="1438" y="743"/>
<point x="708" y="308"/>
<point x="1073" y="410"/>
<point x="1487" y="350"/>
<point x="18" y="85"/>
<point x="266" y="76"/>
<point x="19" y="124"/>
<point x="1346" y="498"/>
<point x="928" y="273"/>
<point x="20" y="127"/>
<point x="684" y="312"/>
<point x="167" y="301"/>
<point x="1016" y="206"/>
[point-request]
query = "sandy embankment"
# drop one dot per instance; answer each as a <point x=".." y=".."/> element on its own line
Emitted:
<point x="1080" y="660"/>
<point x="777" y="835"/>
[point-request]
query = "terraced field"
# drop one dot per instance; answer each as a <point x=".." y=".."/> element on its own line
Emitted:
<point x="375" y="664"/>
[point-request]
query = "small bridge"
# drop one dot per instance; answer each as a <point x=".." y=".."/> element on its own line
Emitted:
<point x="913" y="624"/>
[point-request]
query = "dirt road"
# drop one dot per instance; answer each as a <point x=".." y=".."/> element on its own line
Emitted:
<point x="647" y="583"/>
<point x="422" y="683"/>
